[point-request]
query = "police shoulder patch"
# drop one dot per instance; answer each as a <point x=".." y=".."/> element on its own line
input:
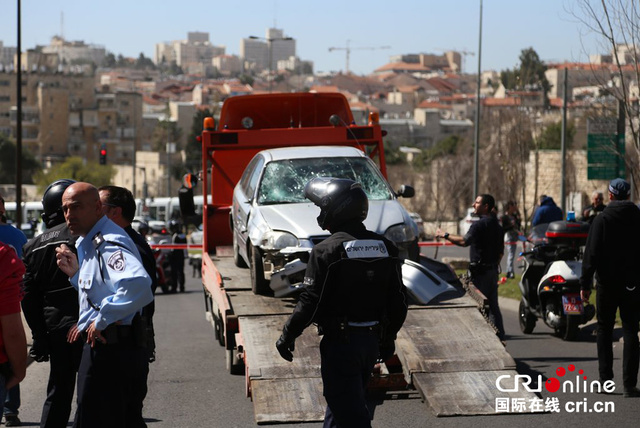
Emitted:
<point x="116" y="261"/>
<point x="365" y="248"/>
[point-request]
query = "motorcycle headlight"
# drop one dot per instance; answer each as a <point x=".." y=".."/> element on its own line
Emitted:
<point x="401" y="233"/>
<point x="277" y="240"/>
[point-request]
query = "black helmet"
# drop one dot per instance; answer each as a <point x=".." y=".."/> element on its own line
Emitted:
<point x="143" y="227"/>
<point x="52" y="202"/>
<point x="339" y="199"/>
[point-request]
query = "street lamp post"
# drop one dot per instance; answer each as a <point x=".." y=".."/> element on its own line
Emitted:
<point x="269" y="41"/>
<point x="476" y="143"/>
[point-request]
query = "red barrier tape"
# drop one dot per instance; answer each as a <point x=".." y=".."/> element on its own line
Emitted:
<point x="435" y="244"/>
<point x="175" y="246"/>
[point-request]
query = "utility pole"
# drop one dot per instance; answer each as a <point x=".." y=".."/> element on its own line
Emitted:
<point x="563" y="143"/>
<point x="348" y="51"/>
<point x="476" y="142"/>
<point x="19" y="130"/>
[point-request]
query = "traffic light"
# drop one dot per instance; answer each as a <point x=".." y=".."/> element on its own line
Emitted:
<point x="103" y="155"/>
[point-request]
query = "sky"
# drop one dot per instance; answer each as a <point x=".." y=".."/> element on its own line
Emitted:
<point x="406" y="26"/>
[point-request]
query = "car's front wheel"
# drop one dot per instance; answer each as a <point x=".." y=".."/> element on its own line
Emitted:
<point x="259" y="284"/>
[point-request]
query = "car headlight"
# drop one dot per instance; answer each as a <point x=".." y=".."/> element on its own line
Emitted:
<point x="400" y="233"/>
<point x="276" y="240"/>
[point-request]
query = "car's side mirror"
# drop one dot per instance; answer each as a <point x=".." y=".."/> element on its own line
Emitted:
<point x="406" y="191"/>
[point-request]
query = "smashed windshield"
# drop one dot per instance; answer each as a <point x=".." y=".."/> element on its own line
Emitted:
<point x="283" y="181"/>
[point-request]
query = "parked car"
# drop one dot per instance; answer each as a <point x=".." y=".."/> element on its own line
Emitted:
<point x="273" y="223"/>
<point x="420" y="223"/>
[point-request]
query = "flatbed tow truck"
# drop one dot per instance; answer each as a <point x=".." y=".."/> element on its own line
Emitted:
<point x="446" y="350"/>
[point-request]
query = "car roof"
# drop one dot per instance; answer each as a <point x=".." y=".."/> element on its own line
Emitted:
<point x="311" y="152"/>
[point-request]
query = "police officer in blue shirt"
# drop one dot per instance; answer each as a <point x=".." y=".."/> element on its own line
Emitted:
<point x="113" y="287"/>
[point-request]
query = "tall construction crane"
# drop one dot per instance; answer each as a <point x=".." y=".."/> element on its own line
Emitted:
<point x="349" y="48"/>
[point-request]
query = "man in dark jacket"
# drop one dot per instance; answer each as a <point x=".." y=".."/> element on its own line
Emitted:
<point x="353" y="291"/>
<point x="547" y="212"/>
<point x="611" y="254"/>
<point x="596" y="207"/>
<point x="50" y="306"/>
<point x="485" y="237"/>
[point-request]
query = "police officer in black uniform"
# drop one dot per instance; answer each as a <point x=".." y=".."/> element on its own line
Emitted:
<point x="176" y="257"/>
<point x="50" y="306"/>
<point x="485" y="237"/>
<point x="353" y="291"/>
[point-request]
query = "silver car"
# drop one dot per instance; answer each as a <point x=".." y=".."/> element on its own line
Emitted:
<point x="274" y="226"/>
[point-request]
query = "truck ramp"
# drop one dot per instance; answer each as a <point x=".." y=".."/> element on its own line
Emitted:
<point x="447" y="350"/>
<point x="453" y="358"/>
<point x="282" y="391"/>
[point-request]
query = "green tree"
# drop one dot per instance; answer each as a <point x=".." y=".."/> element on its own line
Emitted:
<point x="144" y="63"/>
<point x="529" y="75"/>
<point x="551" y="136"/>
<point x="393" y="156"/>
<point x="76" y="169"/>
<point x="121" y="61"/>
<point x="166" y="131"/>
<point x="109" y="60"/>
<point x="447" y="146"/>
<point x="30" y="165"/>
<point x="245" y="79"/>
<point x="193" y="149"/>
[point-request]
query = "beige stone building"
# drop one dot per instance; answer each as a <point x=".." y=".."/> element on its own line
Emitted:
<point x="64" y="115"/>
<point x="52" y="105"/>
<point x="150" y="174"/>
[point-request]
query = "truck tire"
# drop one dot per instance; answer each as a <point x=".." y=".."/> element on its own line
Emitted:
<point x="234" y="364"/>
<point x="526" y="318"/>
<point x="259" y="285"/>
<point x="218" y="328"/>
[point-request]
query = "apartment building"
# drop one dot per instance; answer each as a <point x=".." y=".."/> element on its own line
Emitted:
<point x="6" y="56"/>
<point x="256" y="52"/>
<point x="119" y="127"/>
<point x="195" y="53"/>
<point x="63" y="115"/>
<point x="70" y="52"/>
<point x="48" y="103"/>
<point x="227" y="65"/>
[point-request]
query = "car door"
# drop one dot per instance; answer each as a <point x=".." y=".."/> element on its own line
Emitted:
<point x="242" y="201"/>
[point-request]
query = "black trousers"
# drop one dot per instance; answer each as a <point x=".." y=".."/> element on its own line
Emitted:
<point x="608" y="300"/>
<point x="112" y="382"/>
<point x="64" y="361"/>
<point x="177" y="272"/>
<point x="346" y="367"/>
<point x="487" y="282"/>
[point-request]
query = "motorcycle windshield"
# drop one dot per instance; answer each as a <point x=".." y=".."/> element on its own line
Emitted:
<point x="537" y="235"/>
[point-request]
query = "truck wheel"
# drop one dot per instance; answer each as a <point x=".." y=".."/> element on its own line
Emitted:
<point x="234" y="364"/>
<point x="526" y="318"/>
<point x="219" y="328"/>
<point x="259" y="285"/>
<point x="571" y="328"/>
<point x="237" y="258"/>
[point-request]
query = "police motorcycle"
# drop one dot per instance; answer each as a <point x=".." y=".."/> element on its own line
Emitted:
<point x="550" y="284"/>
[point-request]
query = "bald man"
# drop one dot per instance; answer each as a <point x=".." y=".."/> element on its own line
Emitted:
<point x="113" y="287"/>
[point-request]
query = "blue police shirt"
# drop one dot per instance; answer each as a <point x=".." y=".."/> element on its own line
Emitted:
<point x="112" y="283"/>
